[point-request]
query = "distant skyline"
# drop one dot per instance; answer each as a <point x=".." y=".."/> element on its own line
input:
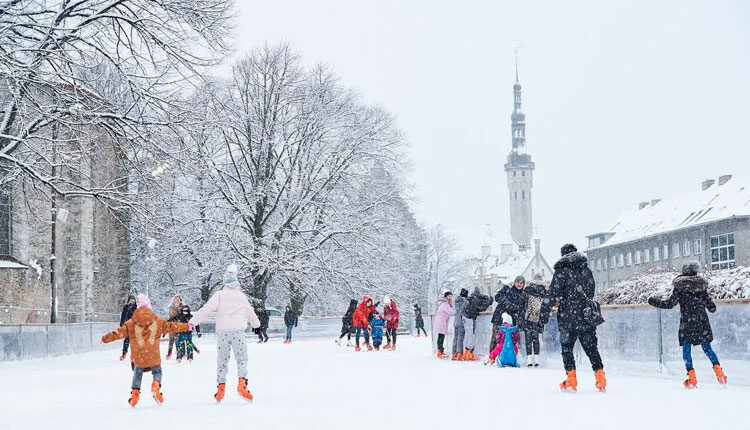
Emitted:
<point x="624" y="101"/>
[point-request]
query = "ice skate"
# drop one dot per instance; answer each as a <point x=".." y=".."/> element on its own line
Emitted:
<point x="377" y="348"/>
<point x="601" y="380"/>
<point x="571" y="383"/>
<point x="242" y="390"/>
<point x="387" y="346"/>
<point x="369" y="348"/>
<point x="357" y="348"/>
<point x="134" y="395"/>
<point x="155" y="391"/>
<point x="691" y="381"/>
<point x="220" y="389"/>
<point x="441" y="355"/>
<point x="469" y="355"/>
<point x="720" y="376"/>
<point x="393" y="348"/>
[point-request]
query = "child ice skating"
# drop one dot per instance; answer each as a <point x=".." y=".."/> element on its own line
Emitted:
<point x="144" y="331"/>
<point x="361" y="321"/>
<point x="391" y="316"/>
<point x="691" y="293"/>
<point x="507" y="344"/>
<point x="378" y="324"/>
<point x="419" y="321"/>
<point x="233" y="314"/>
<point x="185" y="346"/>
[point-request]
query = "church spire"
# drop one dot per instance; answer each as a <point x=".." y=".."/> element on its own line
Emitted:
<point x="518" y="118"/>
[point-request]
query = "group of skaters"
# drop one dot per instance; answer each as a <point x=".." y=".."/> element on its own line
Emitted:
<point x="364" y="320"/>
<point x="527" y="308"/>
<point x="143" y="330"/>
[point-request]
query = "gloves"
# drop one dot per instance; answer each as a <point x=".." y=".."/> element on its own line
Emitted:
<point x="191" y="327"/>
<point x="102" y="340"/>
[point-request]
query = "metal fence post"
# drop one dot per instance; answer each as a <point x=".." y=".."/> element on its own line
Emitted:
<point x="660" y="336"/>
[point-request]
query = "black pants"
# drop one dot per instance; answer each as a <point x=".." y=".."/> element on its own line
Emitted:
<point x="391" y="334"/>
<point x="531" y="333"/>
<point x="441" y="339"/>
<point x="262" y="335"/>
<point x="346" y="330"/>
<point x="421" y="327"/>
<point x="125" y="345"/>
<point x="588" y="342"/>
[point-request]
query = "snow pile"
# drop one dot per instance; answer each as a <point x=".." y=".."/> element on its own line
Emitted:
<point x="722" y="284"/>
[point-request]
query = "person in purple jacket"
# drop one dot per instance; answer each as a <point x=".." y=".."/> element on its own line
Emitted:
<point x="442" y="315"/>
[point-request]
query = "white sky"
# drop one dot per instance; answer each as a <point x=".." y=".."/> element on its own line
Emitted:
<point x="624" y="101"/>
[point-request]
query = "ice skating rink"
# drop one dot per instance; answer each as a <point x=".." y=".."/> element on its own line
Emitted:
<point x="318" y="385"/>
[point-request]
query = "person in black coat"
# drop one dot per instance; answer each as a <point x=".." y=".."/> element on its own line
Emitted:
<point x="347" y="326"/>
<point x="477" y="303"/>
<point x="185" y="345"/>
<point x="262" y="330"/>
<point x="573" y="287"/>
<point x="290" y="320"/>
<point x="127" y="313"/>
<point x="690" y="291"/>
<point x="419" y="320"/>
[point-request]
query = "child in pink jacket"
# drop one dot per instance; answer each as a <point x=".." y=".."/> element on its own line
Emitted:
<point x="233" y="314"/>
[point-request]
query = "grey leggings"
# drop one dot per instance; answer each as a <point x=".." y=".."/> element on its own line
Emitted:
<point x="458" y="338"/>
<point x="469" y="335"/>
<point x="138" y="376"/>
<point x="225" y="343"/>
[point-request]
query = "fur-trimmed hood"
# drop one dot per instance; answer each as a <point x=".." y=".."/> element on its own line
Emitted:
<point x="572" y="259"/>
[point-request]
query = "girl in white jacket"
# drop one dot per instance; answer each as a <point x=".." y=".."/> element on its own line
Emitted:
<point x="233" y="314"/>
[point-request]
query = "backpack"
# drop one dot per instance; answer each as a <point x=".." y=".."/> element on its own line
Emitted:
<point x="483" y="303"/>
<point x="592" y="310"/>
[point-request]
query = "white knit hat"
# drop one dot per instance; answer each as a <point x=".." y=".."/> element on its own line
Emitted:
<point x="230" y="277"/>
<point x="507" y="319"/>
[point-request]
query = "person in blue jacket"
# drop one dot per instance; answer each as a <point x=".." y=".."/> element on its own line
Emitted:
<point x="507" y="344"/>
<point x="378" y="324"/>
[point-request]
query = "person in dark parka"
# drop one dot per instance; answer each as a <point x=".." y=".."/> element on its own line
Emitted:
<point x="127" y="313"/>
<point x="476" y="304"/>
<point x="419" y="320"/>
<point x="262" y="330"/>
<point x="691" y="293"/>
<point x="573" y="287"/>
<point x="347" y="326"/>
<point x="290" y="320"/>
<point x="459" y="304"/>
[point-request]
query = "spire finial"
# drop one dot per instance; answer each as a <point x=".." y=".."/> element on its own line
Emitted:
<point x="515" y="50"/>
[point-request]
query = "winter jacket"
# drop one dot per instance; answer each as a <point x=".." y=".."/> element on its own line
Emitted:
<point x="536" y="313"/>
<point x="691" y="293"/>
<point x="507" y="348"/>
<point x="290" y="317"/>
<point x="347" y="318"/>
<point x="377" y="327"/>
<point x="185" y="318"/>
<point x="127" y="313"/>
<point x="477" y="303"/>
<point x="263" y="319"/>
<point x="442" y="314"/>
<point x="391" y="315"/>
<point x="418" y="317"/>
<point x="144" y="331"/>
<point x="459" y="304"/>
<point x="512" y="301"/>
<point x="233" y="311"/>
<point x="361" y="316"/>
<point x="571" y="274"/>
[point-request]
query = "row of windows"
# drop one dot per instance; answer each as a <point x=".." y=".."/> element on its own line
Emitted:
<point x="523" y="195"/>
<point x="523" y="173"/>
<point x="657" y="253"/>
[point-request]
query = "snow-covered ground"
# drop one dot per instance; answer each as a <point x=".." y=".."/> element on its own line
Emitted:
<point x="317" y="385"/>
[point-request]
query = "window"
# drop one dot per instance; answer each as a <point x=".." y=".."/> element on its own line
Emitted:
<point x="675" y="250"/>
<point x="646" y="255"/>
<point x="515" y="195"/>
<point x="722" y="251"/>
<point x="598" y="264"/>
<point x="604" y="263"/>
<point x="629" y="258"/>
<point x="523" y="195"/>
<point x="621" y="260"/>
<point x="514" y="173"/>
<point x="686" y="248"/>
<point x="656" y="253"/>
<point x="614" y="261"/>
<point x="698" y="246"/>
<point x="665" y="252"/>
<point x="523" y="173"/>
<point x="638" y="257"/>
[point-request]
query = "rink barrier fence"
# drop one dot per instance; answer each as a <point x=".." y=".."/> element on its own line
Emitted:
<point x="640" y="339"/>
<point x="27" y="341"/>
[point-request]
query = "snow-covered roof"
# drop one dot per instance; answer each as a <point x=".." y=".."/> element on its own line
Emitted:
<point x="11" y="263"/>
<point x="514" y="265"/>
<point x="717" y="202"/>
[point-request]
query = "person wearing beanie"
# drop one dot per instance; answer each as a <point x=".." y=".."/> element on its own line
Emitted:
<point x="477" y="304"/>
<point x="233" y="314"/>
<point x="127" y="313"/>
<point x="144" y="330"/>
<point x="378" y="324"/>
<point x="457" y="353"/>
<point x="391" y="316"/>
<point x="347" y="324"/>
<point x="173" y="311"/>
<point x="690" y="291"/>
<point x="185" y="346"/>
<point x="535" y="316"/>
<point x="440" y="323"/>
<point x="507" y="344"/>
<point x="264" y="319"/>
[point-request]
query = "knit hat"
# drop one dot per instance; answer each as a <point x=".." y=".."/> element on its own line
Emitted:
<point x="568" y="248"/>
<point x="520" y="279"/>
<point x="447" y="293"/>
<point x="507" y="319"/>
<point x="142" y="301"/>
<point x="386" y="300"/>
<point x="230" y="277"/>
<point x="464" y="292"/>
<point x="691" y="269"/>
